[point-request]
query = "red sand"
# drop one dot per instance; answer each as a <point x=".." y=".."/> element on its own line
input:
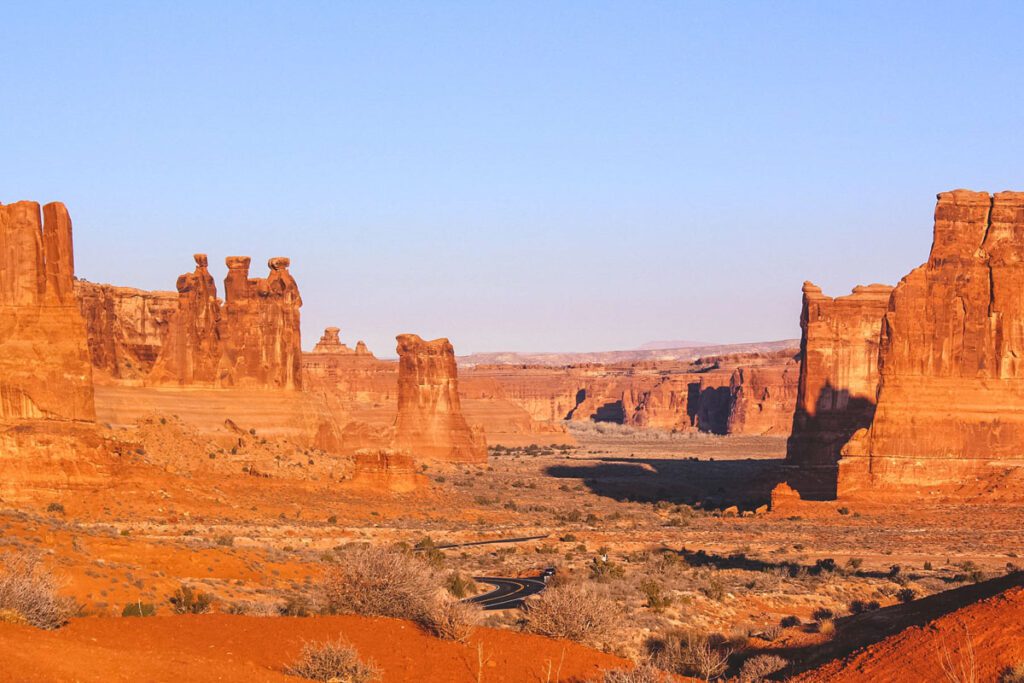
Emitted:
<point x="220" y="647"/>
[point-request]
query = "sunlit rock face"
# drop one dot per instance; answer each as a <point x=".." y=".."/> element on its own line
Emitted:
<point x="951" y="389"/>
<point x="430" y="424"/>
<point x="45" y="371"/>
<point x="838" y="380"/>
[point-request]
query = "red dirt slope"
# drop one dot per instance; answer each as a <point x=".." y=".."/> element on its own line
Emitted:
<point x="220" y="647"/>
<point x="987" y="636"/>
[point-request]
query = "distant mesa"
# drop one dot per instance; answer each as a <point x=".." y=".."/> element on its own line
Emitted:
<point x="672" y="344"/>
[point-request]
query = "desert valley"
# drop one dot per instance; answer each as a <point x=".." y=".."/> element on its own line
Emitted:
<point x="193" y="491"/>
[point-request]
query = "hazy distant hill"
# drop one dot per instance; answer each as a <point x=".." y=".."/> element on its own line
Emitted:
<point x="685" y="353"/>
<point x="672" y="344"/>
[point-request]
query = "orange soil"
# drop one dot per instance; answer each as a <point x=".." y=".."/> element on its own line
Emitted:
<point x="220" y="647"/>
<point x="993" y="628"/>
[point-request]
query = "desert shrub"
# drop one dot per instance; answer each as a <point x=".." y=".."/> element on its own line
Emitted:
<point x="906" y="595"/>
<point x="757" y="669"/>
<point x="574" y="611"/>
<point x="378" y="582"/>
<point x="28" y="591"/>
<point x="642" y="673"/>
<point x="55" y="507"/>
<point x="790" y="621"/>
<point x="187" y="601"/>
<point x="603" y="570"/>
<point x="226" y="540"/>
<point x="459" y="586"/>
<point x="333" y="661"/>
<point x="825" y="626"/>
<point x="253" y="609"/>
<point x="860" y="606"/>
<point x="1013" y="674"/>
<point x="139" y="609"/>
<point x="692" y="653"/>
<point x="823" y="613"/>
<point x="772" y="633"/>
<point x="451" y="619"/>
<point x="657" y="599"/>
<point x="296" y="605"/>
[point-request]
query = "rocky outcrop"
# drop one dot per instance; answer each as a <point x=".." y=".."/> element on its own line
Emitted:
<point x="951" y="361"/>
<point x="45" y="372"/>
<point x="384" y="469"/>
<point x="838" y="380"/>
<point x="126" y="327"/>
<point x="252" y="339"/>
<point x="192" y="348"/>
<point x="430" y="424"/>
<point x="262" y="343"/>
<point x="762" y="398"/>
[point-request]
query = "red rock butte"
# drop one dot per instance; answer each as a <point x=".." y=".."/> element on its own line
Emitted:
<point x="430" y="421"/>
<point x="945" y="407"/>
<point x="45" y="372"/>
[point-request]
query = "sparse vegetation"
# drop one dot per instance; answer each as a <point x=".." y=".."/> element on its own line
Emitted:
<point x="333" y="661"/>
<point x="379" y="582"/>
<point x="759" y="667"/>
<point x="139" y="609"/>
<point x="28" y="592"/>
<point x="574" y="611"/>
<point x="186" y="600"/>
<point x="642" y="673"/>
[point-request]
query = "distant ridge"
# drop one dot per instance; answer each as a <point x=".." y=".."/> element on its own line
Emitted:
<point x="672" y="344"/>
<point x="685" y="353"/>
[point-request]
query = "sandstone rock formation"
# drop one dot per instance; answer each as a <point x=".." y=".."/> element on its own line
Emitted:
<point x="761" y="397"/>
<point x="430" y="424"/>
<point x="45" y="372"/>
<point x="951" y="360"/>
<point x="192" y="349"/>
<point x="384" y="469"/>
<point x="126" y="327"/>
<point x="252" y="339"/>
<point x="838" y="380"/>
<point x="262" y="342"/>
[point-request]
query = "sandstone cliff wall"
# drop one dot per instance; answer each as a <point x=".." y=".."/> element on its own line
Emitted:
<point x="45" y="372"/>
<point x="951" y="360"/>
<point x="838" y="380"/>
<point x="126" y="327"/>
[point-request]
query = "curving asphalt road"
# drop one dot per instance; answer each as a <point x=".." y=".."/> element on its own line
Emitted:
<point x="508" y="593"/>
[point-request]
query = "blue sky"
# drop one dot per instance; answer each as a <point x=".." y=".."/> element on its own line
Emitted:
<point x="515" y="176"/>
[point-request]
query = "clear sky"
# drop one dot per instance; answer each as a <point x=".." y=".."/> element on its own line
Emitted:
<point x="519" y="175"/>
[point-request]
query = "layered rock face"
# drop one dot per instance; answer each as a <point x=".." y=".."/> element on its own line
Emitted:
<point x="192" y="348"/>
<point x="262" y="342"/>
<point x="430" y="424"/>
<point x="735" y="394"/>
<point x="838" y="380"/>
<point x="45" y="372"/>
<point x="250" y="340"/>
<point x="951" y="360"/>
<point x="126" y="327"/>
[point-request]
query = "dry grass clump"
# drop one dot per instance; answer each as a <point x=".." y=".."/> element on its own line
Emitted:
<point x="642" y="673"/>
<point x="28" y="592"/>
<point x="1013" y="674"/>
<point x="333" y="661"/>
<point x="692" y="653"/>
<point x="757" y="669"/>
<point x="573" y="611"/>
<point x="451" y="619"/>
<point x="379" y="582"/>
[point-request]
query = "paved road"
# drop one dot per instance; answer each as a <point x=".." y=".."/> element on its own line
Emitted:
<point x="508" y="593"/>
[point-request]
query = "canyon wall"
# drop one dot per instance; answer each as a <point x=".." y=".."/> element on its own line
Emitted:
<point x="950" y="409"/>
<point x="430" y="424"/>
<point x="126" y="327"/>
<point x="45" y="371"/>
<point x="838" y="381"/>
<point x="750" y="393"/>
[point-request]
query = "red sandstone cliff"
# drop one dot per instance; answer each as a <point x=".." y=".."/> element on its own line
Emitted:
<point x="838" y="380"/>
<point x="126" y="327"/>
<point x="262" y="344"/>
<point x="45" y="372"/>
<point x="430" y="424"/>
<point x="951" y="390"/>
